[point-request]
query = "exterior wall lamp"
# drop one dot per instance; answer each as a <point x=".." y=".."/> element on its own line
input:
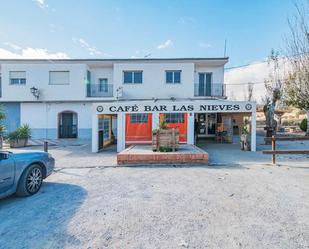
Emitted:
<point x="35" y="92"/>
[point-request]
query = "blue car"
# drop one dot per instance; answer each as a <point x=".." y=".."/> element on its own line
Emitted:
<point x="23" y="172"/>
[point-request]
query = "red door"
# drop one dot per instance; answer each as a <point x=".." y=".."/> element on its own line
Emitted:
<point x="177" y="120"/>
<point x="138" y="128"/>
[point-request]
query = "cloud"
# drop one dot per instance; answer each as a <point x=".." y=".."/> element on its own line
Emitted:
<point x="186" y="20"/>
<point x="12" y="45"/>
<point x="91" y="49"/>
<point x="32" y="53"/>
<point x="204" y="45"/>
<point x="41" y="4"/>
<point x="237" y="79"/>
<point x="164" y="45"/>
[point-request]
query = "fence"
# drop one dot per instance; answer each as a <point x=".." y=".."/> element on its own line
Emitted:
<point x="275" y="152"/>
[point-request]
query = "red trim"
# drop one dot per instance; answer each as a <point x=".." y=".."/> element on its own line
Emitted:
<point x="138" y="132"/>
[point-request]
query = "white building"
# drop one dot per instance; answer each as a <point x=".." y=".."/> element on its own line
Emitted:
<point x="95" y="99"/>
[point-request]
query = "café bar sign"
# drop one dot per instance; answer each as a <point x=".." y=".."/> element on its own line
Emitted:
<point x="157" y="107"/>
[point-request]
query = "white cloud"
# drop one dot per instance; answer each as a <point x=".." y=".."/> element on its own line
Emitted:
<point x="186" y="20"/>
<point x="41" y="4"/>
<point x="237" y="79"/>
<point x="12" y="45"/>
<point x="166" y="44"/>
<point x="204" y="45"/>
<point x="32" y="53"/>
<point x="91" y="49"/>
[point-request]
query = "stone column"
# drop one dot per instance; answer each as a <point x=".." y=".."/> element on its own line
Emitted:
<point x="95" y="133"/>
<point x="253" y="130"/>
<point x="190" y="128"/>
<point x="121" y="132"/>
<point x="155" y="120"/>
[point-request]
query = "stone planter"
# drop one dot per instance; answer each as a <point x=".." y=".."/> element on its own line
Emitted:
<point x="18" y="143"/>
<point x="244" y="142"/>
<point x="167" y="139"/>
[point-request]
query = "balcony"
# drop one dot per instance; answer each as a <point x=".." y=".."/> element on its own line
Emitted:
<point x="99" y="90"/>
<point x="209" y="90"/>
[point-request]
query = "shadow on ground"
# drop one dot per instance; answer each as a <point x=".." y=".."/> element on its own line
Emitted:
<point x="40" y="221"/>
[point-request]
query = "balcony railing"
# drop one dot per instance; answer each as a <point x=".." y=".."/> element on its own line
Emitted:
<point x="209" y="90"/>
<point x="99" y="90"/>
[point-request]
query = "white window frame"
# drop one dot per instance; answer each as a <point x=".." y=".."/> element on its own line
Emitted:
<point x="59" y="71"/>
<point x="133" y="76"/>
<point x="173" y="77"/>
<point x="19" y="79"/>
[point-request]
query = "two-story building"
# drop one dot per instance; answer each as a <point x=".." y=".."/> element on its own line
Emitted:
<point x="121" y="100"/>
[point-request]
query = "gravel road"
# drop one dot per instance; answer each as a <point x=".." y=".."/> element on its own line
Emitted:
<point x="163" y="207"/>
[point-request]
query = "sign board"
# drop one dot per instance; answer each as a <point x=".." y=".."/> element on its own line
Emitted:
<point x="198" y="106"/>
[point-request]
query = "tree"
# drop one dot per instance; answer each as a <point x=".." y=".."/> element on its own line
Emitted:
<point x="274" y="89"/>
<point x="249" y="92"/>
<point x="297" y="82"/>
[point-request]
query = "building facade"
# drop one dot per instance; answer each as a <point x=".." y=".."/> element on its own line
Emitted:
<point x="95" y="99"/>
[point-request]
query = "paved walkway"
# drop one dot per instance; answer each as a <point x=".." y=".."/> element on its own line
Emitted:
<point x="230" y="154"/>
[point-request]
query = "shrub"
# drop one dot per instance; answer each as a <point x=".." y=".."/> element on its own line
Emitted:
<point x="303" y="125"/>
<point x="22" y="132"/>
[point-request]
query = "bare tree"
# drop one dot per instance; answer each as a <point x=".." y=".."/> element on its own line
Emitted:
<point x="274" y="89"/>
<point x="297" y="82"/>
<point x="249" y="92"/>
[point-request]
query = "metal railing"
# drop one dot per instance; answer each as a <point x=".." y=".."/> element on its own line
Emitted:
<point x="209" y="90"/>
<point x="99" y="90"/>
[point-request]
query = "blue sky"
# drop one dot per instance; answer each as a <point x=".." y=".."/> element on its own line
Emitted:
<point x="124" y="29"/>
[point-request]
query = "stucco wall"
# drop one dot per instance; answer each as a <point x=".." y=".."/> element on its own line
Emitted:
<point x="12" y="113"/>
<point x="43" y="118"/>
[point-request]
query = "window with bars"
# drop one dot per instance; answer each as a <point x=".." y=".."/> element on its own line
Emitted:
<point x="139" y="118"/>
<point x="17" y="77"/>
<point x="174" y="118"/>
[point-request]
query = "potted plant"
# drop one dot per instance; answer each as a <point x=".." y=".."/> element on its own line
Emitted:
<point x="244" y="139"/>
<point x="19" y="137"/>
<point x="165" y="139"/>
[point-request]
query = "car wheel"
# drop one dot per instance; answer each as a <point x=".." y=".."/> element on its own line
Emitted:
<point x="30" y="181"/>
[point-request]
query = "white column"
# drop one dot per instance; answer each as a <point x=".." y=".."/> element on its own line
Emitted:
<point x="155" y="120"/>
<point x="95" y="133"/>
<point x="190" y="129"/>
<point x="253" y="131"/>
<point x="121" y="132"/>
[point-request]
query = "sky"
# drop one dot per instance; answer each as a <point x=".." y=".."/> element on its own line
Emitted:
<point x="154" y="28"/>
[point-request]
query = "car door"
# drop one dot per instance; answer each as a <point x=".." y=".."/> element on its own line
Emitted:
<point x="7" y="172"/>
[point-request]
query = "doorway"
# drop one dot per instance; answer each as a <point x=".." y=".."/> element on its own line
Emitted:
<point x="206" y="124"/>
<point x="67" y="125"/>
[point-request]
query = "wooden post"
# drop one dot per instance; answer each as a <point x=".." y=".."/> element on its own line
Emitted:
<point x="273" y="148"/>
<point x="45" y="146"/>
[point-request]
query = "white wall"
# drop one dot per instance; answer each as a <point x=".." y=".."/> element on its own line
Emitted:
<point x="154" y="80"/>
<point x="43" y="118"/>
<point x="37" y="75"/>
<point x="153" y="86"/>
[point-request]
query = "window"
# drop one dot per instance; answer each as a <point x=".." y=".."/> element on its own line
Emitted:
<point x="59" y="77"/>
<point x="17" y="77"/>
<point x="103" y="86"/>
<point x="173" y="77"/>
<point x="174" y="118"/>
<point x="132" y="77"/>
<point x="139" y="118"/>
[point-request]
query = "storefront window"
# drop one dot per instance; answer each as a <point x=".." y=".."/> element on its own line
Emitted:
<point x="173" y="118"/>
<point x="139" y="118"/>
